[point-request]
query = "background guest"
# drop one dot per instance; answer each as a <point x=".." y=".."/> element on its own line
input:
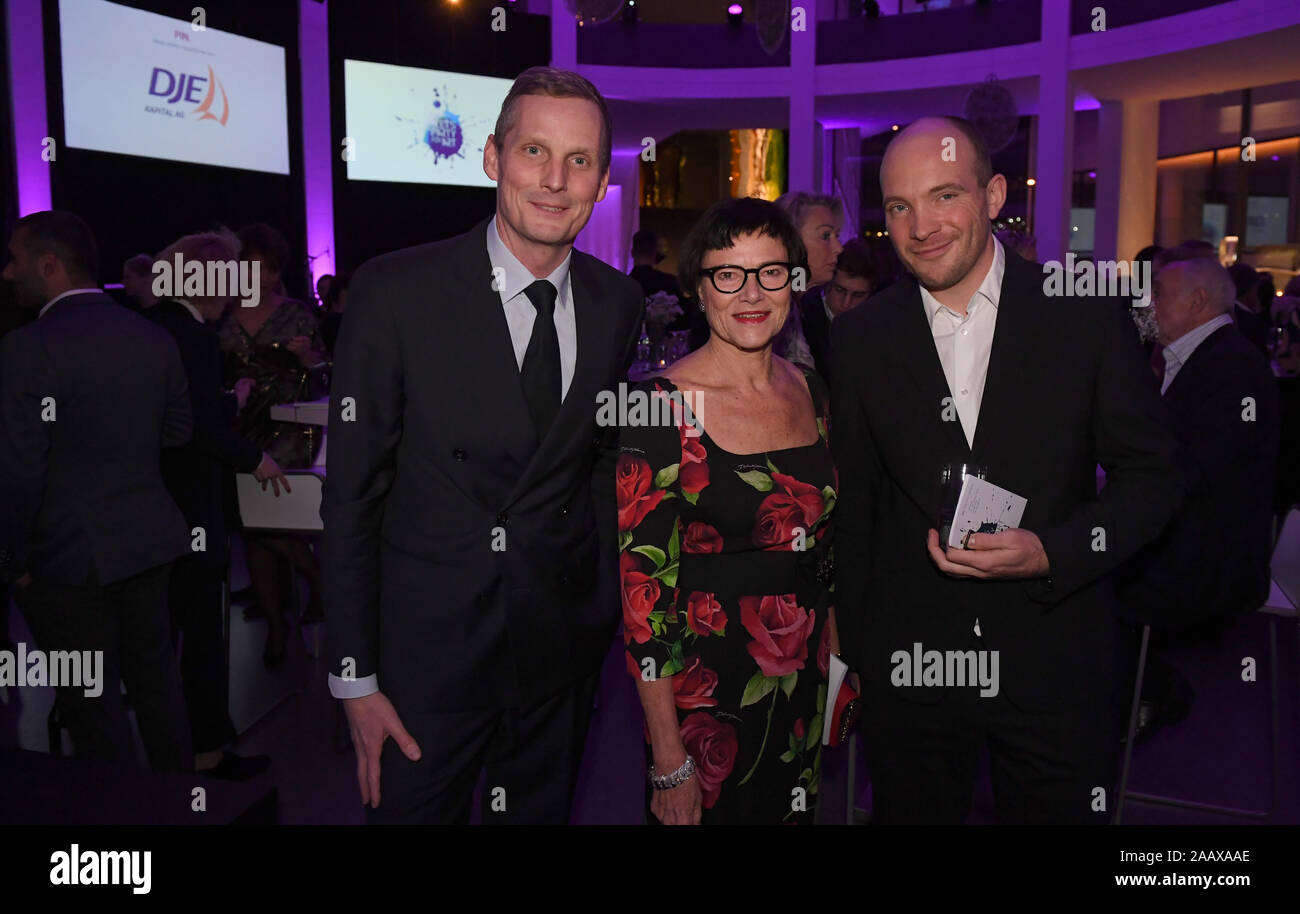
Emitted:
<point x="1211" y="563"/>
<point x="819" y="219"/>
<point x="1251" y="320"/>
<point x="323" y="288"/>
<point x="336" y="302"/>
<point x="90" y="531"/>
<point x="137" y="281"/>
<point x="647" y="253"/>
<point x="852" y="283"/>
<point x="200" y="477"/>
<point x="276" y="344"/>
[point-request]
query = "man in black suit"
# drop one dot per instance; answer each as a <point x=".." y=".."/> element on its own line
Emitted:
<point x="970" y="361"/>
<point x="851" y="285"/>
<point x="469" y="509"/>
<point x="1211" y="564"/>
<point x="200" y="477"/>
<point x="90" y="393"/>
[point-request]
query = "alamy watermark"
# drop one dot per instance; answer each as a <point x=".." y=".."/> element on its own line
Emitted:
<point x="920" y="667"/>
<point x="208" y="279"/>
<point x="1115" y="278"/>
<point x="61" y="669"/>
<point x="626" y="408"/>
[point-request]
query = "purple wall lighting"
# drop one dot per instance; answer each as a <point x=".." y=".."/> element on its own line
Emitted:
<point x="27" y="94"/>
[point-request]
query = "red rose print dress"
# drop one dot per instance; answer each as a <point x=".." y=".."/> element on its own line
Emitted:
<point x="725" y="571"/>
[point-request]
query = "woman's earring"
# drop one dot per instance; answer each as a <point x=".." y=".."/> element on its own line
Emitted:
<point x="702" y="306"/>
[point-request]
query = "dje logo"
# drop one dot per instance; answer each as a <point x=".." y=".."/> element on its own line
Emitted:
<point x="186" y="87"/>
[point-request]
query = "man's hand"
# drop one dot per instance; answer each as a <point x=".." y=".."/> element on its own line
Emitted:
<point x="372" y="719"/>
<point x="269" y="471"/>
<point x="1014" y="553"/>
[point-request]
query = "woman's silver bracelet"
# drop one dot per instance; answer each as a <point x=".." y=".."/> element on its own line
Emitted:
<point x="673" y="779"/>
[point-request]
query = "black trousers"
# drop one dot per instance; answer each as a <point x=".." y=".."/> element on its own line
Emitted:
<point x="195" y="599"/>
<point x="1047" y="766"/>
<point x="127" y="620"/>
<point x="531" y="756"/>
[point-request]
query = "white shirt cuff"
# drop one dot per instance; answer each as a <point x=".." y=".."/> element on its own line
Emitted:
<point x="353" y="688"/>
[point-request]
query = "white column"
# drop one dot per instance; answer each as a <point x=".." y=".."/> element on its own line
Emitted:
<point x="1053" y="164"/>
<point x="564" y="37"/>
<point x="1128" y="138"/>
<point x="804" y="150"/>
<point x="27" y="97"/>
<point x="318" y="146"/>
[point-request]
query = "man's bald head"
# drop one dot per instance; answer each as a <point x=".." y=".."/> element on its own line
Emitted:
<point x="940" y="197"/>
<point x="969" y="145"/>
<point x="1187" y="293"/>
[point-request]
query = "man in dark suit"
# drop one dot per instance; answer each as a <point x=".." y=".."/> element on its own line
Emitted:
<point x="200" y="477"/>
<point x="469" y="509"/>
<point x="970" y="361"/>
<point x="90" y="394"/>
<point x="851" y="284"/>
<point x="1211" y="564"/>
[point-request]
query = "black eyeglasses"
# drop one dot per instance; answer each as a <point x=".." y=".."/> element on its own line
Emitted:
<point x="727" y="278"/>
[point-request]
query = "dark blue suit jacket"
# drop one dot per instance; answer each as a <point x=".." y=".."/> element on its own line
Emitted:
<point x="200" y="474"/>
<point x="1212" y="561"/>
<point x="89" y="395"/>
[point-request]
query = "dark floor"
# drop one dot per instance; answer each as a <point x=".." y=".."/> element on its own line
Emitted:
<point x="1219" y="755"/>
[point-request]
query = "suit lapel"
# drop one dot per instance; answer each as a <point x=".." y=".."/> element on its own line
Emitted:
<point x="1000" y="411"/>
<point x="594" y="329"/>
<point x="922" y="360"/>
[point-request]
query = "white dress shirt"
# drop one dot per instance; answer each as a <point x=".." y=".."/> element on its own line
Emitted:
<point x="520" y="314"/>
<point x="964" y="343"/>
<point x="62" y="295"/>
<point x="1181" y="349"/>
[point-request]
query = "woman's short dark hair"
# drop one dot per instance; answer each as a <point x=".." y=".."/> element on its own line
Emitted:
<point x="265" y="243"/>
<point x="727" y="220"/>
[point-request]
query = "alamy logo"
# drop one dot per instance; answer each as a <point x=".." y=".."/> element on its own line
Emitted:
<point x="659" y="409"/>
<point x="61" y="669"/>
<point x="945" y="669"/>
<point x="208" y="278"/>
<point x="1115" y="278"/>
<point x="78" y="867"/>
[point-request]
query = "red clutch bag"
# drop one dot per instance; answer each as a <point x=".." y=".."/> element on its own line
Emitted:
<point x="844" y="714"/>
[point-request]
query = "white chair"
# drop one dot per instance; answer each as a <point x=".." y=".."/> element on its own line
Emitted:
<point x="1283" y="600"/>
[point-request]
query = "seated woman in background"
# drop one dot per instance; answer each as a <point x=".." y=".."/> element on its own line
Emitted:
<point x="275" y="344"/>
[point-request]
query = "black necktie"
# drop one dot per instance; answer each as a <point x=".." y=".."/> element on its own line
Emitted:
<point x="541" y="371"/>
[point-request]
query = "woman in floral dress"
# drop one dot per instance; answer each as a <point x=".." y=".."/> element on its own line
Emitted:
<point x="724" y="524"/>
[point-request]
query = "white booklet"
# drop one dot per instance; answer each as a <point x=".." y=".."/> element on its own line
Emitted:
<point x="984" y="508"/>
<point x="836" y="674"/>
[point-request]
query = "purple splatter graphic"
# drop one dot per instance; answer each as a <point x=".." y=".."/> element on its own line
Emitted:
<point x="444" y="137"/>
<point x="441" y="131"/>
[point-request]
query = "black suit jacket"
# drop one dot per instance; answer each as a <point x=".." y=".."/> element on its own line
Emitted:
<point x="817" y="331"/>
<point x="435" y="452"/>
<point x="1067" y="388"/>
<point x="1212" y="561"/>
<point x="84" y="492"/>
<point x="200" y="474"/>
